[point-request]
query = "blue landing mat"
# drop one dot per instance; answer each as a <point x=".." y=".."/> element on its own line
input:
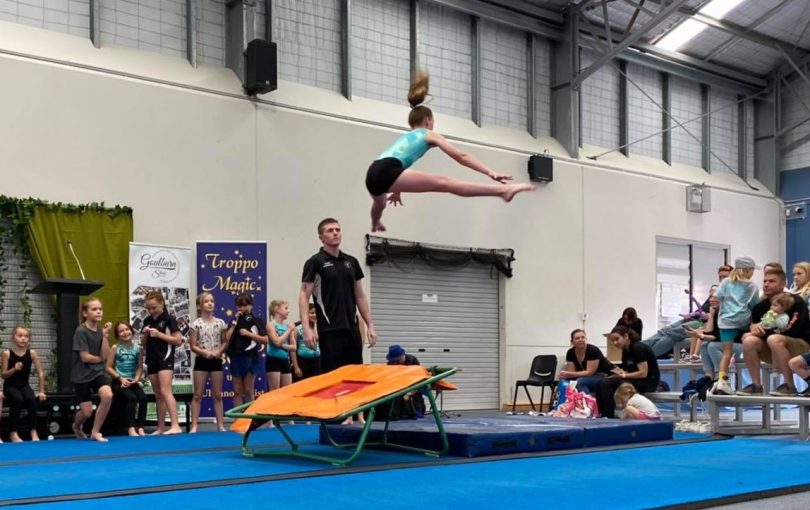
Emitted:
<point x="501" y="435"/>
<point x="619" y="479"/>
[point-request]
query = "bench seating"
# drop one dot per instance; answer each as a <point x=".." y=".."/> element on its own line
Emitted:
<point x="768" y="426"/>
<point x="674" y="397"/>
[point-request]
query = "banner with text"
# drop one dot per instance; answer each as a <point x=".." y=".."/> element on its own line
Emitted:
<point x="168" y="269"/>
<point x="227" y="269"/>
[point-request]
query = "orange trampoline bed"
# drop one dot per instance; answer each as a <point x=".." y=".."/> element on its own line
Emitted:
<point x="336" y="396"/>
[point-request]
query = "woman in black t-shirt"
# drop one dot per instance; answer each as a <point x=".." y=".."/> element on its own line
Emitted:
<point x="585" y="363"/>
<point x="639" y="368"/>
<point x="630" y="320"/>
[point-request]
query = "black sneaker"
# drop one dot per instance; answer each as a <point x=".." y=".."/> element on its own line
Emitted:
<point x="751" y="389"/>
<point x="783" y="390"/>
<point x="805" y="393"/>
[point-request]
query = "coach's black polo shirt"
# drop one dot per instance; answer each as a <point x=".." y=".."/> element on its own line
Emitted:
<point x="333" y="290"/>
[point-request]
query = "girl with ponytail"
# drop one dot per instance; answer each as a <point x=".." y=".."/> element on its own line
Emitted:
<point x="390" y="174"/>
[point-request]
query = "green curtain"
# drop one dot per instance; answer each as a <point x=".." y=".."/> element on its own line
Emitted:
<point x="101" y="242"/>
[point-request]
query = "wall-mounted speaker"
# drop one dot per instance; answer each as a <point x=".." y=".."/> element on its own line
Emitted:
<point x="541" y="168"/>
<point x="261" y="67"/>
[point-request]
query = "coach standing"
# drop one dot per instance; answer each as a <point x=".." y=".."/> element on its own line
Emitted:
<point x="335" y="280"/>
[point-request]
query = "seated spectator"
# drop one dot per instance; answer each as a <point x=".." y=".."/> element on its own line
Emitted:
<point x="801" y="280"/>
<point x="635" y="405"/>
<point x="799" y="364"/>
<point x="639" y="368"/>
<point x="585" y="363"/>
<point x="663" y="341"/>
<point x="776" y="348"/>
<point x="410" y="405"/>
<point x="706" y="331"/>
<point x="630" y="320"/>
<point x="776" y="319"/>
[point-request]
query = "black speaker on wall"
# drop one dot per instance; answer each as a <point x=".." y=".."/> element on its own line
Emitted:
<point x="541" y="168"/>
<point x="261" y="67"/>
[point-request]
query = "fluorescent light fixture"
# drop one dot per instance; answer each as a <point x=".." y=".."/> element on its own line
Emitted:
<point x="718" y="8"/>
<point x="689" y="28"/>
<point x="679" y="35"/>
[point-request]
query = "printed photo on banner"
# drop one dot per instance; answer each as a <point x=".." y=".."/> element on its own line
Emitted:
<point x="227" y="269"/>
<point x="167" y="269"/>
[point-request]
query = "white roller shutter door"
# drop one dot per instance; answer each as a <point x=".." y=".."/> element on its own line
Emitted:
<point x="444" y="317"/>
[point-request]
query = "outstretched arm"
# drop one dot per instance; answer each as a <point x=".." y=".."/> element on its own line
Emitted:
<point x="464" y="159"/>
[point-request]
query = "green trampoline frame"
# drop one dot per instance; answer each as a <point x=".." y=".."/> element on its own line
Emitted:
<point x="257" y="420"/>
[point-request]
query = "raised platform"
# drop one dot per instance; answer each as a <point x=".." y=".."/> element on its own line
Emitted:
<point x="479" y="437"/>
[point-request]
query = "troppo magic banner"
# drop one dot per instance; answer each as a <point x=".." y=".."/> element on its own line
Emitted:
<point x="227" y="269"/>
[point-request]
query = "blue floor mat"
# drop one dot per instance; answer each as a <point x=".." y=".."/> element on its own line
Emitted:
<point x="617" y="479"/>
<point x="502" y="435"/>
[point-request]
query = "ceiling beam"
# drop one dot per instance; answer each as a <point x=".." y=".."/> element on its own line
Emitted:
<point x="530" y="8"/>
<point x="504" y="17"/>
<point x="626" y="42"/>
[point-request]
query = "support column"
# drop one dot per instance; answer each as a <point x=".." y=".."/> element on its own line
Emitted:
<point x="666" y="125"/>
<point x="706" y="128"/>
<point x="475" y="92"/>
<point x="346" y="48"/>
<point x="624" y="109"/>
<point x="565" y="121"/>
<point x="240" y="30"/>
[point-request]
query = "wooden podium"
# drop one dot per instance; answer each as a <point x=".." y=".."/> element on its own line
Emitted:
<point x="67" y="292"/>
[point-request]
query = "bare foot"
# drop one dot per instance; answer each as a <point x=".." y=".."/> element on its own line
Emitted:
<point x="361" y="419"/>
<point x="173" y="430"/>
<point x="78" y="432"/>
<point x="513" y="189"/>
<point x="141" y="432"/>
<point x="96" y="436"/>
<point x="157" y="432"/>
<point x="132" y="432"/>
<point x="34" y="435"/>
<point x="377" y="227"/>
<point x="348" y="421"/>
<point x="193" y="430"/>
<point x="221" y="429"/>
<point x="15" y="438"/>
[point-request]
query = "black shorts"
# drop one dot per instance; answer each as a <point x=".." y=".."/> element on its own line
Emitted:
<point x="309" y="367"/>
<point x="207" y="365"/>
<point x="382" y="174"/>
<point x="273" y="364"/>
<point x="156" y="364"/>
<point x="339" y="348"/>
<point x="85" y="390"/>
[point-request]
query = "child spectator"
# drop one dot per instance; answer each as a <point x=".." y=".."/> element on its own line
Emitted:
<point x="91" y="348"/>
<point x="636" y="406"/>
<point x="125" y="366"/>
<point x="737" y="295"/>
<point x="245" y="336"/>
<point x="776" y="319"/>
<point x="306" y="362"/>
<point x="16" y="363"/>
<point x="161" y="334"/>
<point x="207" y="340"/>
<point x="282" y="343"/>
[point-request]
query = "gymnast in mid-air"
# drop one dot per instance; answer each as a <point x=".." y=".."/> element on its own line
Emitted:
<point x="390" y="174"/>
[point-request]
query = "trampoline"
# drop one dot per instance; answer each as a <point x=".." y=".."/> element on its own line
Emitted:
<point x="338" y="395"/>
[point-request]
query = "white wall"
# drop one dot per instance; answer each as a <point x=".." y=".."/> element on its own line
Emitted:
<point x="196" y="165"/>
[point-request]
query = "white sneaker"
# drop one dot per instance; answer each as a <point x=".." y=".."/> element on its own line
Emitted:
<point x="722" y="387"/>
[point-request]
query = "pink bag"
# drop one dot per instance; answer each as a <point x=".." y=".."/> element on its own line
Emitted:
<point x="577" y="405"/>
